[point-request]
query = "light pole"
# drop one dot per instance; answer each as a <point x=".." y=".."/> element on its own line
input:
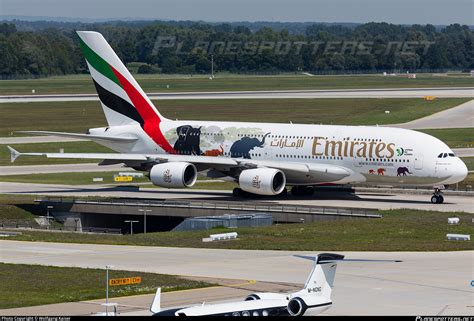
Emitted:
<point x="49" y="207"/>
<point x="107" y="267"/>
<point x="131" y="225"/>
<point x="144" y="218"/>
<point x="212" y="66"/>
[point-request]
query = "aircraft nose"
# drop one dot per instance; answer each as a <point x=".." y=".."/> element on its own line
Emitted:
<point x="459" y="171"/>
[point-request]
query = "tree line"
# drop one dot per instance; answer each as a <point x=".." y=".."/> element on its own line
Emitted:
<point x="188" y="47"/>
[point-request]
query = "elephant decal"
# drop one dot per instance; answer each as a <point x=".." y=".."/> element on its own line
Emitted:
<point x="188" y="140"/>
<point x="243" y="146"/>
<point x="402" y="171"/>
<point x="381" y="171"/>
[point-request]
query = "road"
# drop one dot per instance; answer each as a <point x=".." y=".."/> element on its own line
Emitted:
<point x="362" y="199"/>
<point x="423" y="284"/>
<point x="269" y="94"/>
<point x="461" y="116"/>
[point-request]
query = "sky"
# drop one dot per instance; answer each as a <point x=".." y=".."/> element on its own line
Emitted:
<point x="437" y="12"/>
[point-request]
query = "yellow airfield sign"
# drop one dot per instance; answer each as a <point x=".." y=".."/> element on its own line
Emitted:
<point x="125" y="281"/>
<point x="123" y="178"/>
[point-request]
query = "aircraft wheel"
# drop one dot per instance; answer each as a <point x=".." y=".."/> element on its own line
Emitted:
<point x="308" y="190"/>
<point x="434" y="199"/>
<point x="237" y="192"/>
<point x="295" y="191"/>
<point x="440" y="199"/>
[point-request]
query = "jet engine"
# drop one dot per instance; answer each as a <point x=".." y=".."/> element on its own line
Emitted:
<point x="266" y="296"/>
<point x="297" y="307"/>
<point x="262" y="181"/>
<point x="174" y="174"/>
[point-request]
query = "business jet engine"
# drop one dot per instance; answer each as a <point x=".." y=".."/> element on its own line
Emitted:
<point x="262" y="181"/>
<point x="174" y="174"/>
<point x="266" y="296"/>
<point x="297" y="307"/>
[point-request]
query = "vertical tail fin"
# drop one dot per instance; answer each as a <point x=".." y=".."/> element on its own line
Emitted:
<point x="156" y="304"/>
<point x="322" y="277"/>
<point x="122" y="99"/>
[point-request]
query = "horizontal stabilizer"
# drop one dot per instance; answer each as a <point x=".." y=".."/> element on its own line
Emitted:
<point x="337" y="258"/>
<point x="13" y="154"/>
<point x="81" y="136"/>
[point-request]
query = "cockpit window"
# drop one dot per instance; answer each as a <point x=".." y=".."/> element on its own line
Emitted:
<point x="444" y="155"/>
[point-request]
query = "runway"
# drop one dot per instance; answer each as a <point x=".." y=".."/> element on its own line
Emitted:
<point x="423" y="284"/>
<point x="442" y="92"/>
<point x="361" y="199"/>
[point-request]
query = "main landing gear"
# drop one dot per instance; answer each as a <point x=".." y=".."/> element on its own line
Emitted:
<point x="437" y="197"/>
<point x="302" y="190"/>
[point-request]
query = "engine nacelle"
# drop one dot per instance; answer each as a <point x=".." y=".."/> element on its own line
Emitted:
<point x="177" y="175"/>
<point x="262" y="181"/>
<point x="266" y="296"/>
<point x="297" y="307"/>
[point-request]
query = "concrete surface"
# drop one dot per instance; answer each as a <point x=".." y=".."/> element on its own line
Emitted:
<point x="461" y="116"/>
<point x="140" y="304"/>
<point x="361" y="199"/>
<point x="269" y="94"/>
<point x="423" y="284"/>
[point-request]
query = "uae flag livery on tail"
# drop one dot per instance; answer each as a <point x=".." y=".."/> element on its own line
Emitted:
<point x="122" y="99"/>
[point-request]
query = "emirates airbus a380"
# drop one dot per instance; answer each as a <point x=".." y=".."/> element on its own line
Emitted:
<point x="262" y="157"/>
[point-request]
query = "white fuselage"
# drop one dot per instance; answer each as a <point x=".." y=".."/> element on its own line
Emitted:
<point x="373" y="155"/>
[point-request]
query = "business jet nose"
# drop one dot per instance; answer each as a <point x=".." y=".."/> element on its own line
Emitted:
<point x="459" y="172"/>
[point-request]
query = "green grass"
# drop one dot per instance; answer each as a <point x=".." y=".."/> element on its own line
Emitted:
<point x="80" y="116"/>
<point x="69" y="147"/>
<point x="398" y="230"/>
<point x="75" y="178"/>
<point x="158" y="83"/>
<point x="64" y="116"/>
<point x="85" y="178"/>
<point x="28" y="285"/>
<point x="454" y="137"/>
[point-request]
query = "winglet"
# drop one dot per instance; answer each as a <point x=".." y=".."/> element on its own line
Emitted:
<point x="156" y="304"/>
<point x="13" y="154"/>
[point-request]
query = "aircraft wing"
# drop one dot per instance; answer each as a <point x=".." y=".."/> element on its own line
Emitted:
<point x="325" y="172"/>
<point x="81" y="136"/>
<point x="14" y="154"/>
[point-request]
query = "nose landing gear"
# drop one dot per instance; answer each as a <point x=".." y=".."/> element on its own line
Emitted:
<point x="437" y="197"/>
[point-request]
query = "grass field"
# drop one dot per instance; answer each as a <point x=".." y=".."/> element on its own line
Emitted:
<point x="80" y="116"/>
<point x="86" y="178"/>
<point x="398" y="230"/>
<point x="454" y="137"/>
<point x="69" y="147"/>
<point x="28" y="285"/>
<point x="165" y="83"/>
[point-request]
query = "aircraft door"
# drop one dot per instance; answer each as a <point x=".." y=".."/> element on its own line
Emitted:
<point x="419" y="161"/>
